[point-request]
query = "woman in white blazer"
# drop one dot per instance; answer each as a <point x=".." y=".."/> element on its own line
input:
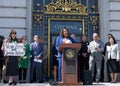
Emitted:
<point x="112" y="59"/>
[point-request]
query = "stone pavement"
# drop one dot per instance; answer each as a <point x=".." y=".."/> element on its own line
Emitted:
<point x="28" y="84"/>
<point x="47" y="84"/>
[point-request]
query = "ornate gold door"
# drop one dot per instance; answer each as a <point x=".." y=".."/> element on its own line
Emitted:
<point x="50" y="16"/>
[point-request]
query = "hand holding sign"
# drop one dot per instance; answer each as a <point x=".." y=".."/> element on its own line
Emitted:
<point x="24" y="57"/>
<point x="14" y="49"/>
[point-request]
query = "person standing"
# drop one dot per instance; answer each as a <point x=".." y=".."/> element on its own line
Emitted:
<point x="5" y="60"/>
<point x="1" y="56"/>
<point x="112" y="58"/>
<point x="24" y="61"/>
<point x="83" y="57"/>
<point x="63" y="38"/>
<point x="54" y="61"/>
<point x="37" y="52"/>
<point x="106" y="71"/>
<point x="107" y="43"/>
<point x="12" y="63"/>
<point x="96" y="47"/>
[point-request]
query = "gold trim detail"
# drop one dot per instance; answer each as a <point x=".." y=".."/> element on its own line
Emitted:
<point x="83" y="27"/>
<point x="94" y="20"/>
<point x="48" y="47"/>
<point x="65" y="6"/>
<point x="37" y="18"/>
<point x="37" y="8"/>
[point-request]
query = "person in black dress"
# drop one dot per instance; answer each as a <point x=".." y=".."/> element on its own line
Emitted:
<point x="5" y="59"/>
<point x="1" y="56"/>
<point x="83" y="57"/>
<point x="54" y="61"/>
<point x="12" y="63"/>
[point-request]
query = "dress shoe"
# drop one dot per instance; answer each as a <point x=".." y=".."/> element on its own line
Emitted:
<point x="40" y="81"/>
<point x="24" y="82"/>
<point x="20" y="82"/>
<point x="11" y="83"/>
<point x="31" y="81"/>
<point x="15" y="83"/>
<point x="4" y="81"/>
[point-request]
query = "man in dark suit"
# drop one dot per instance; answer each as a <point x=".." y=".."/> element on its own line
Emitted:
<point x="37" y="55"/>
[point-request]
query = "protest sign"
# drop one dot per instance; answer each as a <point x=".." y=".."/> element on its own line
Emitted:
<point x="14" y="49"/>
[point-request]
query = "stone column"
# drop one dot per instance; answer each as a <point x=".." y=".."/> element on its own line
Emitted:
<point x="29" y="20"/>
<point x="29" y="28"/>
<point x="104" y="19"/>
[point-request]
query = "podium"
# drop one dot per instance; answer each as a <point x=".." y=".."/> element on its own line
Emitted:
<point x="69" y="63"/>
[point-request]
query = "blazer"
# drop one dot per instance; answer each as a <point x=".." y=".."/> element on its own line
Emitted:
<point x="59" y="41"/>
<point x="112" y="52"/>
<point x="36" y="51"/>
<point x="94" y="53"/>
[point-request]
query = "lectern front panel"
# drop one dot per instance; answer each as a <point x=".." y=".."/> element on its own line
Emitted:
<point x="69" y="64"/>
<point x="69" y="67"/>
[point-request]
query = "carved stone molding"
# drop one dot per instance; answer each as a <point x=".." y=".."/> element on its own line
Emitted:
<point x="66" y="6"/>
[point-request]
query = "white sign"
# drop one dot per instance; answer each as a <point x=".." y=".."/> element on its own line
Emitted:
<point x="14" y="49"/>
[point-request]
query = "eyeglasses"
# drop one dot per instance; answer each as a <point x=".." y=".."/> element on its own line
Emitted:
<point x="14" y="33"/>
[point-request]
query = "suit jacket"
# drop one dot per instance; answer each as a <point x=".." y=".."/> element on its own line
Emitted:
<point x="94" y="53"/>
<point x="112" y="52"/>
<point x="59" y="41"/>
<point x="36" y="50"/>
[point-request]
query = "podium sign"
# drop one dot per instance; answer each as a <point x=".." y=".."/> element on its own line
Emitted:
<point x="69" y="63"/>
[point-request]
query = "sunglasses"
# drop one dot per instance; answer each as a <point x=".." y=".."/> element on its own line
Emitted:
<point x="13" y="33"/>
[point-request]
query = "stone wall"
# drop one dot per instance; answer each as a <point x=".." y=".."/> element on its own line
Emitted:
<point x="114" y="19"/>
<point x="15" y="14"/>
<point x="109" y="18"/>
<point x="109" y="21"/>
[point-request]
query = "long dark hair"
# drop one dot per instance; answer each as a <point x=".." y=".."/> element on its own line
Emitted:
<point x="1" y="40"/>
<point x="10" y="36"/>
<point x="110" y="35"/>
<point x="113" y="40"/>
<point x="12" y="32"/>
<point x="61" y="32"/>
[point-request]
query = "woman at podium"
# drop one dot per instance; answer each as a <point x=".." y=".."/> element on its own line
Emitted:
<point x="63" y="38"/>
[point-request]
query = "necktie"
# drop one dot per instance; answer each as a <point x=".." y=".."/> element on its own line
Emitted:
<point x="36" y="45"/>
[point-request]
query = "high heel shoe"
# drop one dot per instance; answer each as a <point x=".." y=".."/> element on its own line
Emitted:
<point x="14" y="82"/>
<point x="10" y="83"/>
